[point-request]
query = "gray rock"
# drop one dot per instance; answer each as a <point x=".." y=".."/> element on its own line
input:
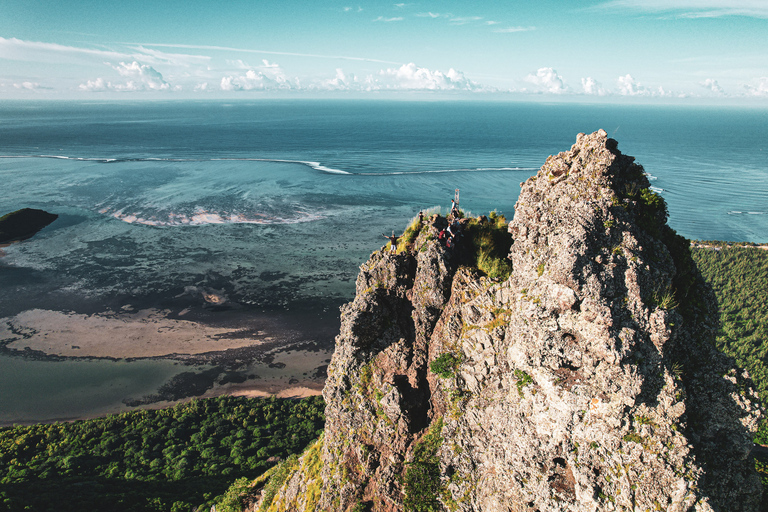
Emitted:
<point x="587" y="381"/>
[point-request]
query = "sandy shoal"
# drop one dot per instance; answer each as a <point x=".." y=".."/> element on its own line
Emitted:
<point x="141" y="334"/>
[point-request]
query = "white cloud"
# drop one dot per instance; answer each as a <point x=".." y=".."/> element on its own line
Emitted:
<point x="35" y="51"/>
<point x="490" y="22"/>
<point x="29" y="86"/>
<point x="143" y="76"/>
<point x="511" y="30"/>
<point x="17" y="49"/>
<point x="548" y="80"/>
<point x="267" y="52"/>
<point x="760" y="87"/>
<point x="629" y="87"/>
<point x="411" y="77"/>
<point x="353" y="9"/>
<point x="175" y="59"/>
<point x="382" y="18"/>
<point x="96" y="85"/>
<point x="269" y="76"/>
<point x="463" y="20"/>
<point x="201" y="87"/>
<point x="340" y="82"/>
<point x="432" y="15"/>
<point x="713" y="86"/>
<point x="592" y="87"/>
<point x="695" y="8"/>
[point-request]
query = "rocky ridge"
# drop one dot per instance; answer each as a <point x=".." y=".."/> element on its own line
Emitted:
<point x="585" y="381"/>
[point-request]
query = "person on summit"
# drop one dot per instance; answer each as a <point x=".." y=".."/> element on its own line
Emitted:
<point x="454" y="209"/>
<point x="392" y="240"/>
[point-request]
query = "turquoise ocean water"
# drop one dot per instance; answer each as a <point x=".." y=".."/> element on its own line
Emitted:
<point x="275" y="204"/>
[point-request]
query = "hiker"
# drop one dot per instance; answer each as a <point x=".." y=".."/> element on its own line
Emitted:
<point x="421" y="218"/>
<point x="392" y="240"/>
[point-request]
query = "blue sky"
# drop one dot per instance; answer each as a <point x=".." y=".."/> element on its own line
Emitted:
<point x="678" y="51"/>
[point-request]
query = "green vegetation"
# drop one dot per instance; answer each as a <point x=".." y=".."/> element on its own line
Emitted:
<point x="445" y="365"/>
<point x="165" y="460"/>
<point x="738" y="276"/>
<point x="490" y="244"/>
<point x="422" y="476"/>
<point x="409" y="235"/>
<point x="523" y="379"/>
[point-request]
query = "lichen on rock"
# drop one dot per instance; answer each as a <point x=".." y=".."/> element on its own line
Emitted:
<point x="585" y="381"/>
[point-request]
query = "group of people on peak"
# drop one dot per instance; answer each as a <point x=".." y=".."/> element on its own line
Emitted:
<point x="447" y="236"/>
<point x="450" y="235"/>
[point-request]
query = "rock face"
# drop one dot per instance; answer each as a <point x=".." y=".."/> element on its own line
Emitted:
<point x="586" y="381"/>
<point x="23" y="224"/>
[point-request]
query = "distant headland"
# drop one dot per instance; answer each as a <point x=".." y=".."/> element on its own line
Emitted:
<point x="23" y="224"/>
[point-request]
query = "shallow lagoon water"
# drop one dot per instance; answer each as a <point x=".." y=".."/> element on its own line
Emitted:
<point x="274" y="205"/>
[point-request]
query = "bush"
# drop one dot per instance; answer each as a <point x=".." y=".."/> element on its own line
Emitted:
<point x="445" y="365"/>
<point x="421" y="483"/>
<point x="490" y="244"/>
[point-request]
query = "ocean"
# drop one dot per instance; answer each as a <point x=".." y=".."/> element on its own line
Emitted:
<point x="254" y="216"/>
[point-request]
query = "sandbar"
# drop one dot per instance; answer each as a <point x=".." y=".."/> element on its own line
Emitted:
<point x="141" y="334"/>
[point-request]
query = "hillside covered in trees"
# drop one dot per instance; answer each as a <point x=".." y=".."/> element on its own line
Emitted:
<point x="164" y="460"/>
<point x="738" y="274"/>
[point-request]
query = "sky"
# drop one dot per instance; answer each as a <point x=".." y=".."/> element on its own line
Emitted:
<point x="672" y="51"/>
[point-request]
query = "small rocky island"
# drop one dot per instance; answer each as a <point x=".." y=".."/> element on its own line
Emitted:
<point x="23" y="224"/>
<point x="584" y="380"/>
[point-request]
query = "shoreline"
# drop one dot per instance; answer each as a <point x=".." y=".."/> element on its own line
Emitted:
<point x="214" y="353"/>
<point x="300" y="391"/>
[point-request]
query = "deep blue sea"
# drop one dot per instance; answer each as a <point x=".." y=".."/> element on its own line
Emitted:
<point x="274" y="204"/>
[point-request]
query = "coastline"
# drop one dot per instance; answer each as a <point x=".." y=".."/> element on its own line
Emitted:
<point x="201" y="353"/>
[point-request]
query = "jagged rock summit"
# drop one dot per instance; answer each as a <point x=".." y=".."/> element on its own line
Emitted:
<point x="586" y="381"/>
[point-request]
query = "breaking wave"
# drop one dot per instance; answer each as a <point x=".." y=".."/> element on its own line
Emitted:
<point x="318" y="166"/>
<point x="203" y="217"/>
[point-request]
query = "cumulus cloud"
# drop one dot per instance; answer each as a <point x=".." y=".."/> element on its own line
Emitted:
<point x="629" y="87"/>
<point x="97" y="85"/>
<point x="339" y="82"/>
<point x="268" y="76"/>
<point x="386" y="20"/>
<point x="760" y="87"/>
<point x="29" y="86"/>
<point x="592" y="87"/>
<point x="141" y="77"/>
<point x="713" y="86"/>
<point x="411" y="77"/>
<point x="548" y="80"/>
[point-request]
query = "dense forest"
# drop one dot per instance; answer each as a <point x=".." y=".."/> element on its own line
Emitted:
<point x="739" y="276"/>
<point x="173" y="459"/>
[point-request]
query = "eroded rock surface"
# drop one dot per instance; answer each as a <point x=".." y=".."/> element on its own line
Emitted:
<point x="586" y="381"/>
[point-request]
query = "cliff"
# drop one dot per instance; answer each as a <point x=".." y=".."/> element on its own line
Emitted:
<point x="586" y="380"/>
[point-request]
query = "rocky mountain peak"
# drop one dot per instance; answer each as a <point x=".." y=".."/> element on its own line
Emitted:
<point x="586" y="380"/>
